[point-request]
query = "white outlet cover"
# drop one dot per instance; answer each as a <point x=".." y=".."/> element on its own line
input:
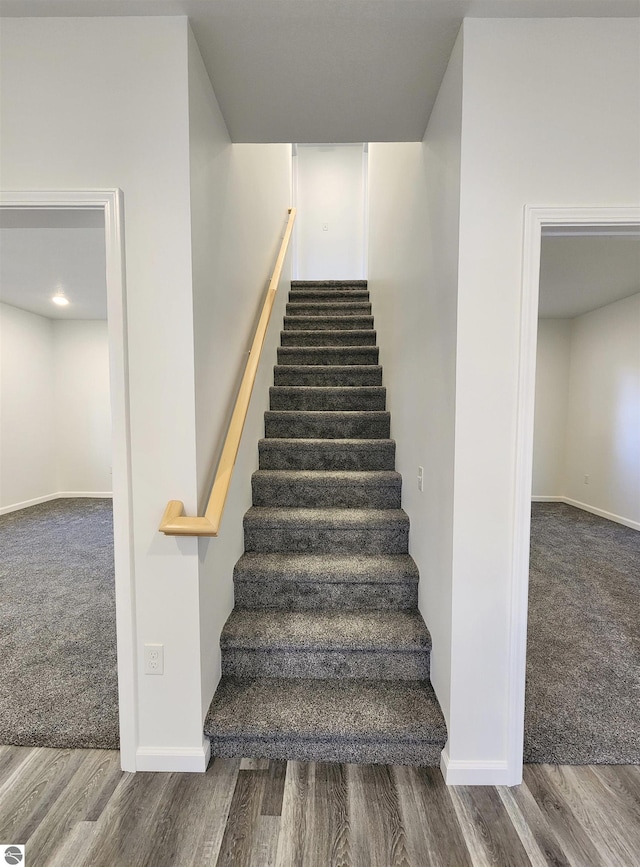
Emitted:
<point x="154" y="659"/>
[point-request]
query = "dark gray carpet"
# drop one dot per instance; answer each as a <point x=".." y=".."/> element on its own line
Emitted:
<point x="326" y="656"/>
<point x="583" y="658"/>
<point x="58" y="685"/>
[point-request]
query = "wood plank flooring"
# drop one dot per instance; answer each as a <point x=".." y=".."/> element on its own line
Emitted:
<point x="75" y="808"/>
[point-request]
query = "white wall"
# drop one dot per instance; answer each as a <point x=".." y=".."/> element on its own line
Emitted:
<point x="588" y="411"/>
<point x="329" y="190"/>
<point x="552" y="384"/>
<point x="551" y="116"/>
<point x="603" y="419"/>
<point x="82" y="406"/>
<point x="587" y="418"/>
<point x="28" y="468"/>
<point x="414" y="194"/>
<point x="55" y="418"/>
<point x="240" y="194"/>
<point x="73" y="120"/>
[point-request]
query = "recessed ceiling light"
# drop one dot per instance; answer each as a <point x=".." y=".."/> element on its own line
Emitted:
<point x="60" y="300"/>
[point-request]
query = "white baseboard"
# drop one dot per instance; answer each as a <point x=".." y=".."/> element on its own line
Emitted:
<point x="174" y="759"/>
<point x="95" y="494"/>
<point x="470" y="773"/>
<point x="619" y="519"/>
<point x="59" y="495"/>
<point x="25" y="505"/>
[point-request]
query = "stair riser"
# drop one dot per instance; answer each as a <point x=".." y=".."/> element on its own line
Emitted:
<point x="386" y="664"/>
<point x="328" y="323"/>
<point x="359" y="308"/>
<point x="321" y="456"/>
<point x="321" y="596"/>
<point x="317" y="540"/>
<point x="328" y="296"/>
<point x="323" y="355"/>
<point x="329" y="376"/>
<point x="307" y="495"/>
<point x="285" y="398"/>
<point x="367" y="426"/>
<point x="345" y="751"/>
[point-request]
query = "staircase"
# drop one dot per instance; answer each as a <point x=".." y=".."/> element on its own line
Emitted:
<point x="325" y="656"/>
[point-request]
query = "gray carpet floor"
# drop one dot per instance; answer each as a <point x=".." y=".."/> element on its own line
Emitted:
<point x="58" y="683"/>
<point x="583" y="658"/>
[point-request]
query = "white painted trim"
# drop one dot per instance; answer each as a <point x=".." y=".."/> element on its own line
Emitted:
<point x="536" y="219"/>
<point x="100" y="495"/>
<point x="591" y="231"/>
<point x="295" y="247"/>
<point x="619" y="519"/>
<point x="16" y="507"/>
<point x="365" y="212"/>
<point x="60" y="495"/>
<point x="174" y="759"/>
<point x="462" y="773"/>
<point x="601" y="513"/>
<point x="110" y="201"/>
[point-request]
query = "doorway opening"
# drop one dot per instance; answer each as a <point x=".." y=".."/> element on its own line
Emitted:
<point x="82" y="389"/>
<point x="551" y="235"/>
<point x="329" y="190"/>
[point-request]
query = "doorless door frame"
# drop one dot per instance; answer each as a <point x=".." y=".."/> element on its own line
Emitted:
<point x="536" y="219"/>
<point x="110" y="202"/>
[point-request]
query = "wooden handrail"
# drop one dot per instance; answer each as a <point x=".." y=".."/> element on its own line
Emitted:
<point x="174" y="521"/>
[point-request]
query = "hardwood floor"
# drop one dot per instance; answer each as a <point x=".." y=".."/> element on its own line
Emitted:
<point x="74" y="808"/>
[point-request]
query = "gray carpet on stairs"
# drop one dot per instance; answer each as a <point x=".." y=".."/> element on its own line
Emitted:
<point x="58" y="681"/>
<point x="583" y="659"/>
<point x="325" y="655"/>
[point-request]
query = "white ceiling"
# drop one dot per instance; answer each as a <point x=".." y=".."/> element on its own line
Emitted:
<point x="579" y="274"/>
<point x="325" y="70"/>
<point x="42" y="253"/>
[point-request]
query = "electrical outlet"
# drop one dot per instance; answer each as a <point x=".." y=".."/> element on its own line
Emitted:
<point x="325" y="227"/>
<point x="421" y="478"/>
<point x="154" y="659"/>
<point x="586" y="480"/>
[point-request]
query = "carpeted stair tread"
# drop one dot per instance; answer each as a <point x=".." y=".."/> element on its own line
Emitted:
<point x="273" y="516"/>
<point x="388" y="631"/>
<point x="329" y="454"/>
<point x="384" y="644"/>
<point x="328" y="568"/>
<point x="297" y="285"/>
<point x="327" y="425"/>
<point x="327" y="375"/>
<point x="328" y="323"/>
<point x="329" y="337"/>
<point x="331" y="296"/>
<point x="327" y="308"/>
<point x="328" y="355"/>
<point x="335" y="530"/>
<point x="327" y="488"/>
<point x="331" y="720"/>
<point x="312" y="582"/>
<point x="307" y="397"/>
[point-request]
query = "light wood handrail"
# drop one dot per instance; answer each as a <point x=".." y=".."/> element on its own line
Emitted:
<point x="174" y="521"/>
